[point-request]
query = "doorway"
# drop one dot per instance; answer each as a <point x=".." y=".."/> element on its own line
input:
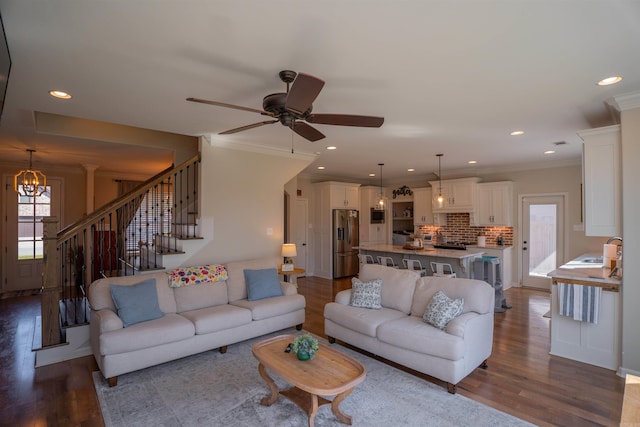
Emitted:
<point x="22" y="235"/>
<point x="543" y="238"/>
<point x="300" y="231"/>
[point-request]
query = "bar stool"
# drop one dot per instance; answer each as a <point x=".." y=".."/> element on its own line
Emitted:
<point x="441" y="269"/>
<point x="414" y="265"/>
<point x="386" y="261"/>
<point x="366" y="259"/>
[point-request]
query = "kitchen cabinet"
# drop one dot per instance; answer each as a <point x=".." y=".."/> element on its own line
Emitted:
<point x="596" y="344"/>
<point x="601" y="168"/>
<point x="344" y="195"/>
<point x="422" y="211"/>
<point x="494" y="204"/>
<point x="371" y="233"/>
<point x="459" y="195"/>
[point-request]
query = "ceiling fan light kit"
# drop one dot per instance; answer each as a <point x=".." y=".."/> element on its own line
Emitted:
<point x="293" y="108"/>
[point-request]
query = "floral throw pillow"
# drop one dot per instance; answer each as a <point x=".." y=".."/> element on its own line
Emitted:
<point x="186" y="276"/>
<point x="366" y="294"/>
<point x="442" y="309"/>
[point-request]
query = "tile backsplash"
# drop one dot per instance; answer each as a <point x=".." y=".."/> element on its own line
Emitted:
<point x="458" y="229"/>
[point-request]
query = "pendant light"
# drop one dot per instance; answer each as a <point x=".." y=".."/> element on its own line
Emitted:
<point x="30" y="182"/>
<point x="440" y="198"/>
<point x="380" y="202"/>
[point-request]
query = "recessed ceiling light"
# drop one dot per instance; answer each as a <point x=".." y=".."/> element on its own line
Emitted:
<point x="372" y="174"/>
<point x="517" y="133"/>
<point x="472" y="162"/>
<point x="331" y="147"/>
<point x="59" y="94"/>
<point x="549" y="152"/>
<point x="321" y="167"/>
<point x="411" y="170"/>
<point x="610" y="81"/>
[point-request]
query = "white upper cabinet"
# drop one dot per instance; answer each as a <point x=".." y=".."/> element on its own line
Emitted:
<point x="422" y="211"/>
<point x="494" y="204"/>
<point x="459" y="195"/>
<point x="602" y="177"/>
<point x="344" y="195"/>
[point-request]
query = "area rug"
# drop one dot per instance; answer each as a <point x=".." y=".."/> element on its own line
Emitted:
<point x="213" y="389"/>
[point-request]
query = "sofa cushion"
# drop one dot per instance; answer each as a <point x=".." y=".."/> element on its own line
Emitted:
<point x="366" y="294"/>
<point x="360" y="319"/>
<point x="413" y="334"/>
<point x="136" y="303"/>
<point x="397" y="285"/>
<point x="167" y="329"/>
<point x="100" y="294"/>
<point x="203" y="295"/>
<point x="442" y="309"/>
<point x="271" y="307"/>
<point x="262" y="284"/>
<point x="478" y="295"/>
<point x="236" y="286"/>
<point x="218" y="318"/>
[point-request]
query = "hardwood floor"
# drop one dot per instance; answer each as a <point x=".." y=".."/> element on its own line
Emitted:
<point x="522" y="379"/>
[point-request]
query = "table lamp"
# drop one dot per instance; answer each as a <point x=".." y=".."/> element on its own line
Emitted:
<point x="288" y="252"/>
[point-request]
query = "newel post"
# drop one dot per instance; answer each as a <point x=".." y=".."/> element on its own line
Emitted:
<point x="50" y="286"/>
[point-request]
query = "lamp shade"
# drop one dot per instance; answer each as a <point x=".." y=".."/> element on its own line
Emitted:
<point x="289" y="250"/>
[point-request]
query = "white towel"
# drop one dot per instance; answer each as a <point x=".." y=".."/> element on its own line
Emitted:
<point x="582" y="303"/>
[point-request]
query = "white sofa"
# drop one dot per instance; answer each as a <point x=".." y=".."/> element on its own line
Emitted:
<point x="196" y="318"/>
<point x="398" y="333"/>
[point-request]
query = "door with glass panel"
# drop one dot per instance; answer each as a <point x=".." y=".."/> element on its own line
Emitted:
<point x="542" y="239"/>
<point x="23" y="230"/>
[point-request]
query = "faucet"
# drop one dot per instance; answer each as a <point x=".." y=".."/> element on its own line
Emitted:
<point x="616" y="269"/>
<point x="611" y="239"/>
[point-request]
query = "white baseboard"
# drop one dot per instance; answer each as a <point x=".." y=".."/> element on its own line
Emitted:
<point x="78" y="345"/>
<point x="622" y="372"/>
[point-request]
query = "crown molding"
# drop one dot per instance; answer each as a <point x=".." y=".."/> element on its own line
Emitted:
<point x="625" y="102"/>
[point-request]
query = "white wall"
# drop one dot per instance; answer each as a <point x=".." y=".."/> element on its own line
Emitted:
<point x="242" y="202"/>
<point x="630" y="126"/>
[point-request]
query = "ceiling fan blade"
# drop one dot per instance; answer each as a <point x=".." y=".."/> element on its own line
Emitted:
<point x="224" y="104"/>
<point x="345" y="120"/>
<point x="307" y="132"/>
<point x="303" y="92"/>
<point x="247" y="127"/>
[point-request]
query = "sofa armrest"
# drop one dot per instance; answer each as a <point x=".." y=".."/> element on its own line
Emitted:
<point x="344" y="297"/>
<point x="289" y="288"/>
<point x="458" y="325"/>
<point x="106" y="320"/>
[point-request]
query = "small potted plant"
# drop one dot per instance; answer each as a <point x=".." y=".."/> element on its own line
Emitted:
<point x="305" y="346"/>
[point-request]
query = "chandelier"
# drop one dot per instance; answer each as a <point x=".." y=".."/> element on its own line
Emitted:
<point x="30" y="182"/>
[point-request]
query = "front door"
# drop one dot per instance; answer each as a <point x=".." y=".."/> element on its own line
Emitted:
<point x="23" y="234"/>
<point x="542" y="238"/>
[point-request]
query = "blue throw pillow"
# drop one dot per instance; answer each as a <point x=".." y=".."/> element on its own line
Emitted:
<point x="262" y="284"/>
<point x="136" y="303"/>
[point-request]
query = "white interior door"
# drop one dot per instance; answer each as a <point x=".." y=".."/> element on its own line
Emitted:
<point x="23" y="234"/>
<point x="542" y="241"/>
<point x="301" y="231"/>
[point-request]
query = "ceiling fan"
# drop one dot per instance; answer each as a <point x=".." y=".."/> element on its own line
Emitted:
<point x="293" y="108"/>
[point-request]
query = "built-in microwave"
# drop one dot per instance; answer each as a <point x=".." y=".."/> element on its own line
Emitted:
<point x="377" y="216"/>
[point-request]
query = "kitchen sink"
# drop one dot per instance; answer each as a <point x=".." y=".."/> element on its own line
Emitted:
<point x="592" y="260"/>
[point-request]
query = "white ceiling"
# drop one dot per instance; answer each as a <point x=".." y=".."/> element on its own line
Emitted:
<point x="451" y="77"/>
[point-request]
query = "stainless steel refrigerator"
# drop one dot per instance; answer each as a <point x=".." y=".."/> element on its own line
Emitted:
<point x="346" y="235"/>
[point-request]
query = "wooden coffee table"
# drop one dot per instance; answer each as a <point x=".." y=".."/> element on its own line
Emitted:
<point x="329" y="373"/>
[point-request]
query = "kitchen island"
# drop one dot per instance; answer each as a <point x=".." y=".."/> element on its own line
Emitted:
<point x="599" y="343"/>
<point x="460" y="260"/>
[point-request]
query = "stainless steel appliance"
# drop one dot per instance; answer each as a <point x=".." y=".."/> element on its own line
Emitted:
<point x="377" y="216"/>
<point x="345" y="237"/>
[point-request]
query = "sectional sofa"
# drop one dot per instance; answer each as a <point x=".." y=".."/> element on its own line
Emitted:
<point x="398" y="332"/>
<point x="187" y="319"/>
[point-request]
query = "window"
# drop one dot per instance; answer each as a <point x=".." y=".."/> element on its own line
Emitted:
<point x="31" y="210"/>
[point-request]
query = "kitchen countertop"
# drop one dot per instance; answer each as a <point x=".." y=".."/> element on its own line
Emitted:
<point x="432" y="252"/>
<point x="581" y="272"/>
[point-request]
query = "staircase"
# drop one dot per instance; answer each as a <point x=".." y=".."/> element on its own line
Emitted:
<point x="149" y="228"/>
